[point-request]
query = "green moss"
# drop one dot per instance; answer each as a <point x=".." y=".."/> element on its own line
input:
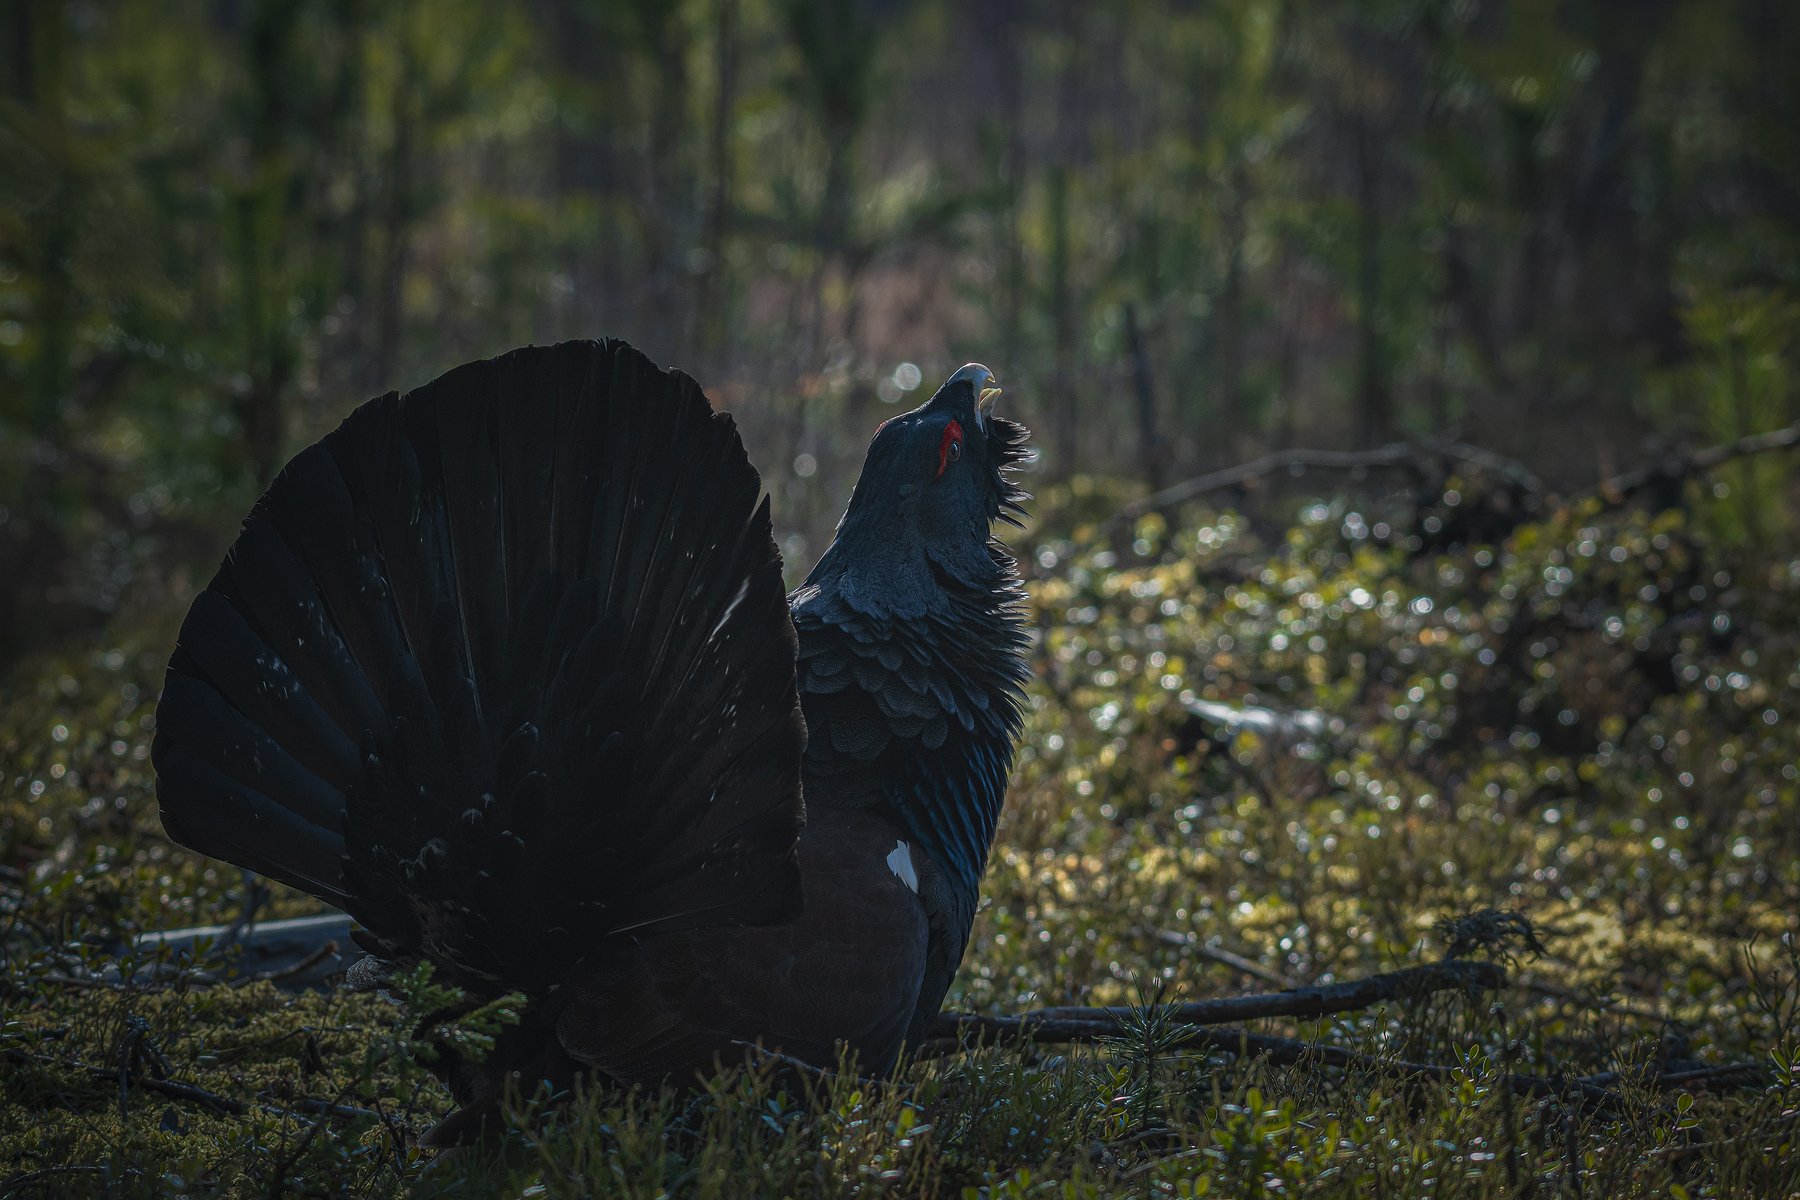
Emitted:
<point x="1593" y="723"/>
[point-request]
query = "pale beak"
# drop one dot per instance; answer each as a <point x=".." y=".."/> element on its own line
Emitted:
<point x="986" y="390"/>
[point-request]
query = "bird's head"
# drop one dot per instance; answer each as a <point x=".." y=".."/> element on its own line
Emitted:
<point x="934" y="482"/>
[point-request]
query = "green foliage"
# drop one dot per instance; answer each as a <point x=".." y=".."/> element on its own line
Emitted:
<point x="1590" y="724"/>
<point x="1744" y="378"/>
<point x="444" y="1020"/>
<point x="1245" y="224"/>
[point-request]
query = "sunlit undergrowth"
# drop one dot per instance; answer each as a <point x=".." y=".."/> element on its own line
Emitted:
<point x="1304" y="749"/>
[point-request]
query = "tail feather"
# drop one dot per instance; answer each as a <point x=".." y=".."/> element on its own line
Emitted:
<point x="504" y="668"/>
<point x="244" y="753"/>
<point x="265" y="693"/>
<point x="275" y="585"/>
<point x="233" y="821"/>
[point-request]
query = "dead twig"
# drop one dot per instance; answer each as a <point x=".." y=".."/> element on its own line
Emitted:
<point x="1396" y="454"/>
<point x="166" y="976"/>
<point x="1287" y="1052"/>
<point x="129" y="1048"/>
<point x="43" y="1177"/>
<point x="1415" y="457"/>
<point x="1722" y="1075"/>
<point x="82" y="982"/>
<point x="1407" y="456"/>
<point x="1319" y="1000"/>
<point x="1678" y="467"/>
<point x="1218" y="954"/>
<point x="278" y="974"/>
<point x="1248" y="966"/>
<point x="1284" y="1051"/>
<point x="1605" y="1004"/>
<point x="800" y="1068"/>
<point x="294" y="1155"/>
<point x="292" y="952"/>
<point x="192" y="1093"/>
<point x="1197" y="1024"/>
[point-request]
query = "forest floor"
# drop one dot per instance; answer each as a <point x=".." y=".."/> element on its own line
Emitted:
<point x="1254" y="757"/>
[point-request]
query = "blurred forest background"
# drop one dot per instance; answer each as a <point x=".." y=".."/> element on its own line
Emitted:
<point x="1183" y="233"/>
<point x="1504" y="270"/>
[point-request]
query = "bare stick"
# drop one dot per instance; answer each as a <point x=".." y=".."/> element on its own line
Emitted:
<point x="1407" y="456"/>
<point x="1622" y="486"/>
<point x="1604" y="1004"/>
<point x="1413" y="457"/>
<point x="1396" y="454"/>
<point x="1283" y="1051"/>
<point x="1723" y="1075"/>
<point x="1286" y="1051"/>
<point x="1248" y="966"/>
<point x="1087" y="1024"/>
<point x="41" y="1178"/>
<point x="328" y="950"/>
<point x="1218" y="954"/>
<point x="190" y="1092"/>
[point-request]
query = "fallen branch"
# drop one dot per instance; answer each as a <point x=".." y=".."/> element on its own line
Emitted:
<point x="1679" y="467"/>
<point x="1408" y="456"/>
<point x="1415" y="457"/>
<point x="1196" y="1028"/>
<point x="294" y="954"/>
<point x="1722" y="1075"/>
<point x="1592" y="1090"/>
<point x="1319" y="1000"/>
<point x="1395" y="454"/>
<point x="311" y="968"/>
<point x="1287" y="1052"/>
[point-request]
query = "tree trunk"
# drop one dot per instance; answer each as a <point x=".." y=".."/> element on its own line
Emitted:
<point x="667" y="196"/>
<point x="711" y="282"/>
<point x="1374" y="401"/>
<point x="353" y="241"/>
<point x="1150" y="447"/>
<point x="396" y="220"/>
<point x="1065" y="396"/>
<point x="1230" y="345"/>
<point x="1000" y="30"/>
<point x="268" y="356"/>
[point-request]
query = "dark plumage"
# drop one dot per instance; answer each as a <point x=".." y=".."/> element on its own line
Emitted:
<point x="503" y="669"/>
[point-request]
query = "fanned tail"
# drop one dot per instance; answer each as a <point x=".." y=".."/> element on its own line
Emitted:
<point x="503" y="668"/>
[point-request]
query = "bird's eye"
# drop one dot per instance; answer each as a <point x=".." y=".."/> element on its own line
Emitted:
<point x="949" y="447"/>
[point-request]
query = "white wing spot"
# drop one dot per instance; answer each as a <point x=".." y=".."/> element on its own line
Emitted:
<point x="737" y="599"/>
<point x="899" y="861"/>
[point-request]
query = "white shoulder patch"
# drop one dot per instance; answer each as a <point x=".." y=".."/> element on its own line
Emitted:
<point x="899" y="861"/>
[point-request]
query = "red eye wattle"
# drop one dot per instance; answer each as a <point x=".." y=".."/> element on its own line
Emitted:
<point x="949" y="447"/>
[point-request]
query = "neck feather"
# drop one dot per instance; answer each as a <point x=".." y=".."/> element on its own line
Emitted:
<point x="915" y="708"/>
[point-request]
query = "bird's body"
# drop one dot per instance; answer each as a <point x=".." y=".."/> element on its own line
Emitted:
<point x="503" y="669"/>
<point x="845" y="968"/>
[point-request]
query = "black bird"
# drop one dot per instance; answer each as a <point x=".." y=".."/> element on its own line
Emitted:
<point x="503" y="669"/>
